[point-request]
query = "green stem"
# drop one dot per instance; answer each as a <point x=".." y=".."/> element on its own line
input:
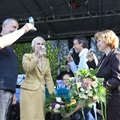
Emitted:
<point x="83" y="113"/>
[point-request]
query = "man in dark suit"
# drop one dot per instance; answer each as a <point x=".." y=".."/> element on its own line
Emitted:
<point x="9" y="64"/>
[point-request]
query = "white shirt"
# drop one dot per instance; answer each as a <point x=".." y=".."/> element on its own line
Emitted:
<point x="82" y="64"/>
<point x="83" y="61"/>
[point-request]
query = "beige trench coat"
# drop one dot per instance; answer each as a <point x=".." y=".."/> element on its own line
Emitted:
<point x="33" y="88"/>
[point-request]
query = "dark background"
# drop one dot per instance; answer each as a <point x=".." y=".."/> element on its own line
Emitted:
<point x="63" y="19"/>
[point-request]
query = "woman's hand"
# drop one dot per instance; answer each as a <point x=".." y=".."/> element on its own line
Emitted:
<point x="90" y="56"/>
<point x="41" y="53"/>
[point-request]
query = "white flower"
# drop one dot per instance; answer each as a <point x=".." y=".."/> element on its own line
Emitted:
<point x="78" y="84"/>
<point x="87" y="91"/>
<point x="50" y="108"/>
<point x="58" y="99"/>
<point x="85" y="96"/>
<point x="90" y="93"/>
<point x="81" y="95"/>
<point x="57" y="106"/>
<point x="82" y="90"/>
<point x="94" y="84"/>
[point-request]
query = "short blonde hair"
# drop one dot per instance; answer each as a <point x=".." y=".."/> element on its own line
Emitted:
<point x="109" y="37"/>
<point x="35" y="40"/>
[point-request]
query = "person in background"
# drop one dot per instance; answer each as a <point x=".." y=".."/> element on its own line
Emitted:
<point x="8" y="63"/>
<point x="68" y="70"/>
<point x="109" y="69"/>
<point x="37" y="69"/>
<point x="77" y="113"/>
<point x="80" y="45"/>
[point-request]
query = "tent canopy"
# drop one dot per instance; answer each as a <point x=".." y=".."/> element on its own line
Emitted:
<point x="63" y="19"/>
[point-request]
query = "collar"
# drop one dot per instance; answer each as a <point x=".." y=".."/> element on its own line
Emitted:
<point x="83" y="51"/>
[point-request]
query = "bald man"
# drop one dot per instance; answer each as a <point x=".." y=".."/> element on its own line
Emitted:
<point x="8" y="63"/>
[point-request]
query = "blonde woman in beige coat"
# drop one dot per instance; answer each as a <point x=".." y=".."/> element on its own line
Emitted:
<point x="37" y="70"/>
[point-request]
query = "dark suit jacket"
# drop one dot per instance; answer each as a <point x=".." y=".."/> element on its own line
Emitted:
<point x="109" y="69"/>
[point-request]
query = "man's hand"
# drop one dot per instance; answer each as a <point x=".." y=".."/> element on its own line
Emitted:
<point x="28" y="26"/>
<point x="69" y="58"/>
<point x="14" y="100"/>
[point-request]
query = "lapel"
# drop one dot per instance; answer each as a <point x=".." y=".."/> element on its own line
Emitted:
<point x="42" y="65"/>
<point x="33" y="57"/>
<point x="106" y="59"/>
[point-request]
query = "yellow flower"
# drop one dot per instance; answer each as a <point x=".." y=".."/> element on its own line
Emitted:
<point x="73" y="101"/>
<point x="95" y="98"/>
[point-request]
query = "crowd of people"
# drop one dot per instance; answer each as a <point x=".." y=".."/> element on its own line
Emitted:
<point x="37" y="69"/>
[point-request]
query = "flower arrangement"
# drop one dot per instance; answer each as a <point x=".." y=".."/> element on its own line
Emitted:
<point x="54" y="104"/>
<point x="85" y="89"/>
<point x="88" y="88"/>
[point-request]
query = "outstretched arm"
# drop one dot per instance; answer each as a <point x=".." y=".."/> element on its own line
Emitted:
<point x="10" y="38"/>
<point x="81" y="104"/>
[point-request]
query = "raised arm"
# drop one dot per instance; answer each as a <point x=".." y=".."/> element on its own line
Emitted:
<point x="10" y="38"/>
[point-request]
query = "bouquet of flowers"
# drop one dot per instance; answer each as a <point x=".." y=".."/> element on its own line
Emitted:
<point x="86" y="88"/>
<point x="61" y="102"/>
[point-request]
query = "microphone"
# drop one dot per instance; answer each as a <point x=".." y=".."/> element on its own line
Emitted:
<point x="71" y="51"/>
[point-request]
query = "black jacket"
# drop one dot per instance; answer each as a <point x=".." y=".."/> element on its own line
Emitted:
<point x="109" y="69"/>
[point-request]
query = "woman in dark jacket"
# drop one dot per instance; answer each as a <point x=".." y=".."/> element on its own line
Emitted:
<point x="109" y="69"/>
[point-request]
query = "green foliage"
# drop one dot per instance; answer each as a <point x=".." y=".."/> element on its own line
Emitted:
<point x="21" y="49"/>
<point x="52" y="55"/>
